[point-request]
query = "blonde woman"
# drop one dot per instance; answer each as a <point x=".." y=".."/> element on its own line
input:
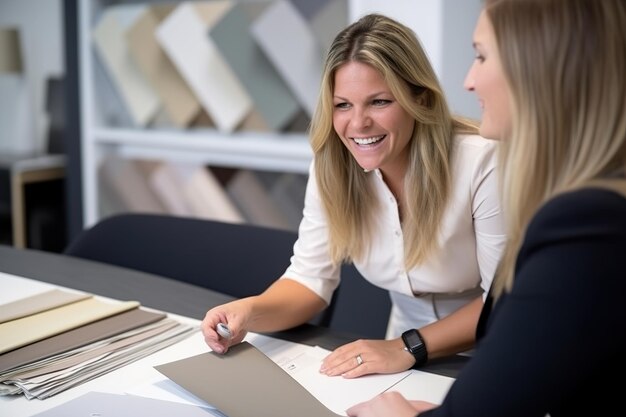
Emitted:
<point x="550" y="77"/>
<point x="399" y="187"/>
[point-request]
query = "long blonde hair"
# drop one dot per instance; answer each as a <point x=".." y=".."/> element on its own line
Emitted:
<point x="565" y="63"/>
<point x="349" y="203"/>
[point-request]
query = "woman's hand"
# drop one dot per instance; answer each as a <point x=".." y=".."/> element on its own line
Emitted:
<point x="368" y="357"/>
<point x="235" y="315"/>
<point x="390" y="403"/>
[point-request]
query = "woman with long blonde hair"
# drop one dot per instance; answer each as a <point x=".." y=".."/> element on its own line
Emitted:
<point x="550" y="75"/>
<point x="399" y="187"/>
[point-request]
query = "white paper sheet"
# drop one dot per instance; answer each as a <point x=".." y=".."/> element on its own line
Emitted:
<point x="302" y="362"/>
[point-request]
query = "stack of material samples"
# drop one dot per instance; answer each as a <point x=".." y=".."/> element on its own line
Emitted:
<point x="55" y="340"/>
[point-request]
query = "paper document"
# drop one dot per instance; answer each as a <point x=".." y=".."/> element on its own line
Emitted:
<point x="105" y="404"/>
<point x="208" y="376"/>
<point x="303" y="362"/>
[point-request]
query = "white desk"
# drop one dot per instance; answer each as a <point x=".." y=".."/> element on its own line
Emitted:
<point x="48" y="269"/>
<point x="140" y="374"/>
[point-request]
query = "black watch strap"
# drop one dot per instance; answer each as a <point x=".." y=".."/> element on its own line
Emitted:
<point x="414" y="344"/>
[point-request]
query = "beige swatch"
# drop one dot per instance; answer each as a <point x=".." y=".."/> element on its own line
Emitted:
<point x="38" y="303"/>
<point x="20" y="332"/>
<point x="178" y="99"/>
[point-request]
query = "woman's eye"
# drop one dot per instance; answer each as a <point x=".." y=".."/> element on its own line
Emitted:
<point x="342" y="105"/>
<point x="380" y="102"/>
<point x="479" y="58"/>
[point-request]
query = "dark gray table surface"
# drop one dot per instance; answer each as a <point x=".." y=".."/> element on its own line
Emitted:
<point x="160" y="293"/>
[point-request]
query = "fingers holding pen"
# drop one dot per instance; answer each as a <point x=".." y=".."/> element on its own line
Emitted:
<point x="211" y="337"/>
<point x="222" y="336"/>
<point x="223" y="326"/>
<point x="224" y="331"/>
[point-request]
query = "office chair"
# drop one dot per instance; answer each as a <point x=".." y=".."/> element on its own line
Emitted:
<point x="235" y="259"/>
<point x="359" y="307"/>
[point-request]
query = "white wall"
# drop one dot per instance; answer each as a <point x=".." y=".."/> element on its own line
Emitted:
<point x="445" y="29"/>
<point x="40" y="23"/>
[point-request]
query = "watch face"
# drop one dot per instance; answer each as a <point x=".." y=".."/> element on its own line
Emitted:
<point x="415" y="345"/>
<point x="412" y="339"/>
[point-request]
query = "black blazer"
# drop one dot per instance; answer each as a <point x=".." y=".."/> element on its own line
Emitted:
<point x="557" y="342"/>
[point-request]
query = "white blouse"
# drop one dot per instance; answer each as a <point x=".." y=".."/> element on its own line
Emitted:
<point x="471" y="238"/>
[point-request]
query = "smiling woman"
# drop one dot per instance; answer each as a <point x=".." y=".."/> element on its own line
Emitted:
<point x="373" y="126"/>
<point x="400" y="188"/>
<point x="486" y="79"/>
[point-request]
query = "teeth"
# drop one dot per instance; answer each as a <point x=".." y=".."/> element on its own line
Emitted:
<point x="368" y="141"/>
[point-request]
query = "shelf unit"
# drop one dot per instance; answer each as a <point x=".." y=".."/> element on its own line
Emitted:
<point x="262" y="151"/>
<point x="279" y="152"/>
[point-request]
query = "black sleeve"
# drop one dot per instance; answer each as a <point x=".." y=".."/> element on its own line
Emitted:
<point x="552" y="344"/>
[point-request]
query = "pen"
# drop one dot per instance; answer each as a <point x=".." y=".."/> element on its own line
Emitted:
<point x="223" y="330"/>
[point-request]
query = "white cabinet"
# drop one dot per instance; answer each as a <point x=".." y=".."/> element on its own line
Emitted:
<point x="102" y="135"/>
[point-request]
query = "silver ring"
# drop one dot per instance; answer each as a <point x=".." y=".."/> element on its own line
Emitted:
<point x="359" y="360"/>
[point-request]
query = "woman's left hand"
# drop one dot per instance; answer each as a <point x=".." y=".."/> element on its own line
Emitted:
<point x="365" y="357"/>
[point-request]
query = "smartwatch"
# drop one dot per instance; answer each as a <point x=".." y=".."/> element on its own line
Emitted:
<point x="414" y="344"/>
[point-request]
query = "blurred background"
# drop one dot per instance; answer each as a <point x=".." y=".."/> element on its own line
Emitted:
<point x="196" y="108"/>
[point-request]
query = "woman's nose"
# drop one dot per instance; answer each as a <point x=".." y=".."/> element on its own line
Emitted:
<point x="361" y="119"/>
<point x="468" y="83"/>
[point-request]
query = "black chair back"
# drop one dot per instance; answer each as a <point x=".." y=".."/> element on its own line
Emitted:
<point x="235" y="259"/>
<point x="359" y="307"/>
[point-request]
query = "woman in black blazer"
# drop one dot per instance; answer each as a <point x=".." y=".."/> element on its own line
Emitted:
<point x="551" y="79"/>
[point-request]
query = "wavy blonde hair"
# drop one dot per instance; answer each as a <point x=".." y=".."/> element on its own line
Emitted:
<point x="349" y="203"/>
<point x="565" y="63"/>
